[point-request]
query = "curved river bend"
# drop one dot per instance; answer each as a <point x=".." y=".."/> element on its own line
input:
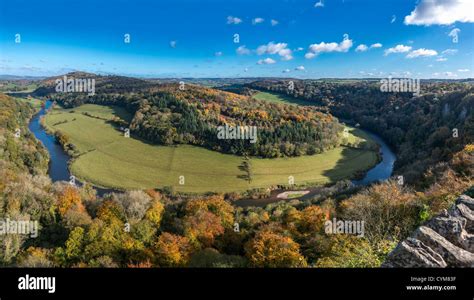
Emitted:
<point x="58" y="166"/>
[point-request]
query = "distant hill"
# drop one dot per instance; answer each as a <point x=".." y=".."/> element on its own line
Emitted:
<point x="16" y="77"/>
<point x="103" y="83"/>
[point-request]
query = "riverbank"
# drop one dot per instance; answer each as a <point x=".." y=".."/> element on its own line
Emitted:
<point x="59" y="168"/>
<point x="107" y="158"/>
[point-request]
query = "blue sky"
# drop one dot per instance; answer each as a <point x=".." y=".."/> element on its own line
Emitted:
<point x="184" y="38"/>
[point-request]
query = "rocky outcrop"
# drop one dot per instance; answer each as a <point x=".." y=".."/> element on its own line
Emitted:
<point x="447" y="240"/>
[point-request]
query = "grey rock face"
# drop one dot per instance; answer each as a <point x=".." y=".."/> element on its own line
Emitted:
<point x="447" y="240"/>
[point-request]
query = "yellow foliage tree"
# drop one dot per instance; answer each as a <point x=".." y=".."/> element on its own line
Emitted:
<point x="214" y="204"/>
<point x="155" y="212"/>
<point x="272" y="250"/>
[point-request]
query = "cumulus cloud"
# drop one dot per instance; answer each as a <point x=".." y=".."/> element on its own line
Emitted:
<point x="233" y="20"/>
<point x="450" y="51"/>
<point x="376" y="45"/>
<point x="397" y="49"/>
<point x="218" y="53"/>
<point x="422" y="52"/>
<point x="362" y="48"/>
<point x="266" y="61"/>
<point x="319" y="4"/>
<point x="286" y="54"/>
<point x="441" y="12"/>
<point x="463" y="70"/>
<point x="299" y="68"/>
<point x="394" y="18"/>
<point x="257" y="21"/>
<point x="286" y="71"/>
<point x="450" y="74"/>
<point x="323" y="47"/>
<point x="274" y="22"/>
<point x="242" y="50"/>
<point x="173" y="44"/>
<point x="445" y="74"/>
<point x="276" y="48"/>
<point x="271" y="48"/>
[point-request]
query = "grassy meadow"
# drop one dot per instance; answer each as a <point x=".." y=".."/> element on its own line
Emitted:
<point x="279" y="98"/>
<point x="108" y="159"/>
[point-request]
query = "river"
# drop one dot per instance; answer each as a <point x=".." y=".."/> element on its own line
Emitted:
<point x="58" y="168"/>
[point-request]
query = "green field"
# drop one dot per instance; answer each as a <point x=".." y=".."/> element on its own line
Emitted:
<point x="279" y="98"/>
<point x="11" y="88"/>
<point x="109" y="159"/>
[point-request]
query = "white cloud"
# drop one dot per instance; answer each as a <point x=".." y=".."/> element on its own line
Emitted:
<point x="450" y="74"/>
<point x="299" y="68"/>
<point x="285" y="54"/>
<point x="446" y="74"/>
<point x="286" y="71"/>
<point x="274" y="22"/>
<point x="219" y="53"/>
<point x="323" y="47"/>
<point x="394" y="18"/>
<point x="173" y="44"/>
<point x="441" y="59"/>
<point x="257" y="21"/>
<point x="271" y="48"/>
<point x="299" y="49"/>
<point x="279" y="48"/>
<point x="362" y="48"/>
<point x="233" y="20"/>
<point x="422" y="52"/>
<point x="463" y="70"/>
<point x="397" y="49"/>
<point x="319" y="4"/>
<point x="266" y="61"/>
<point x="450" y="51"/>
<point x="242" y="50"/>
<point x="441" y="12"/>
<point x="376" y="45"/>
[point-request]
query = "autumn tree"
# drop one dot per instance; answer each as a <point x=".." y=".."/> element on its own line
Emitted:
<point x="155" y="212"/>
<point x="111" y="212"/>
<point x="68" y="198"/>
<point x="35" y="257"/>
<point x="312" y="220"/>
<point x="202" y="228"/>
<point x="214" y="204"/>
<point x="272" y="250"/>
<point x="388" y="210"/>
<point x="353" y="252"/>
<point x="172" y="250"/>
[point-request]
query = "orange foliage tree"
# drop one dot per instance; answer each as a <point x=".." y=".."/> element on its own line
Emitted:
<point x="172" y="250"/>
<point x="272" y="250"/>
<point x="68" y="198"/>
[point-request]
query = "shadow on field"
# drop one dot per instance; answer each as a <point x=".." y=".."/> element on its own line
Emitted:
<point x="339" y="171"/>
